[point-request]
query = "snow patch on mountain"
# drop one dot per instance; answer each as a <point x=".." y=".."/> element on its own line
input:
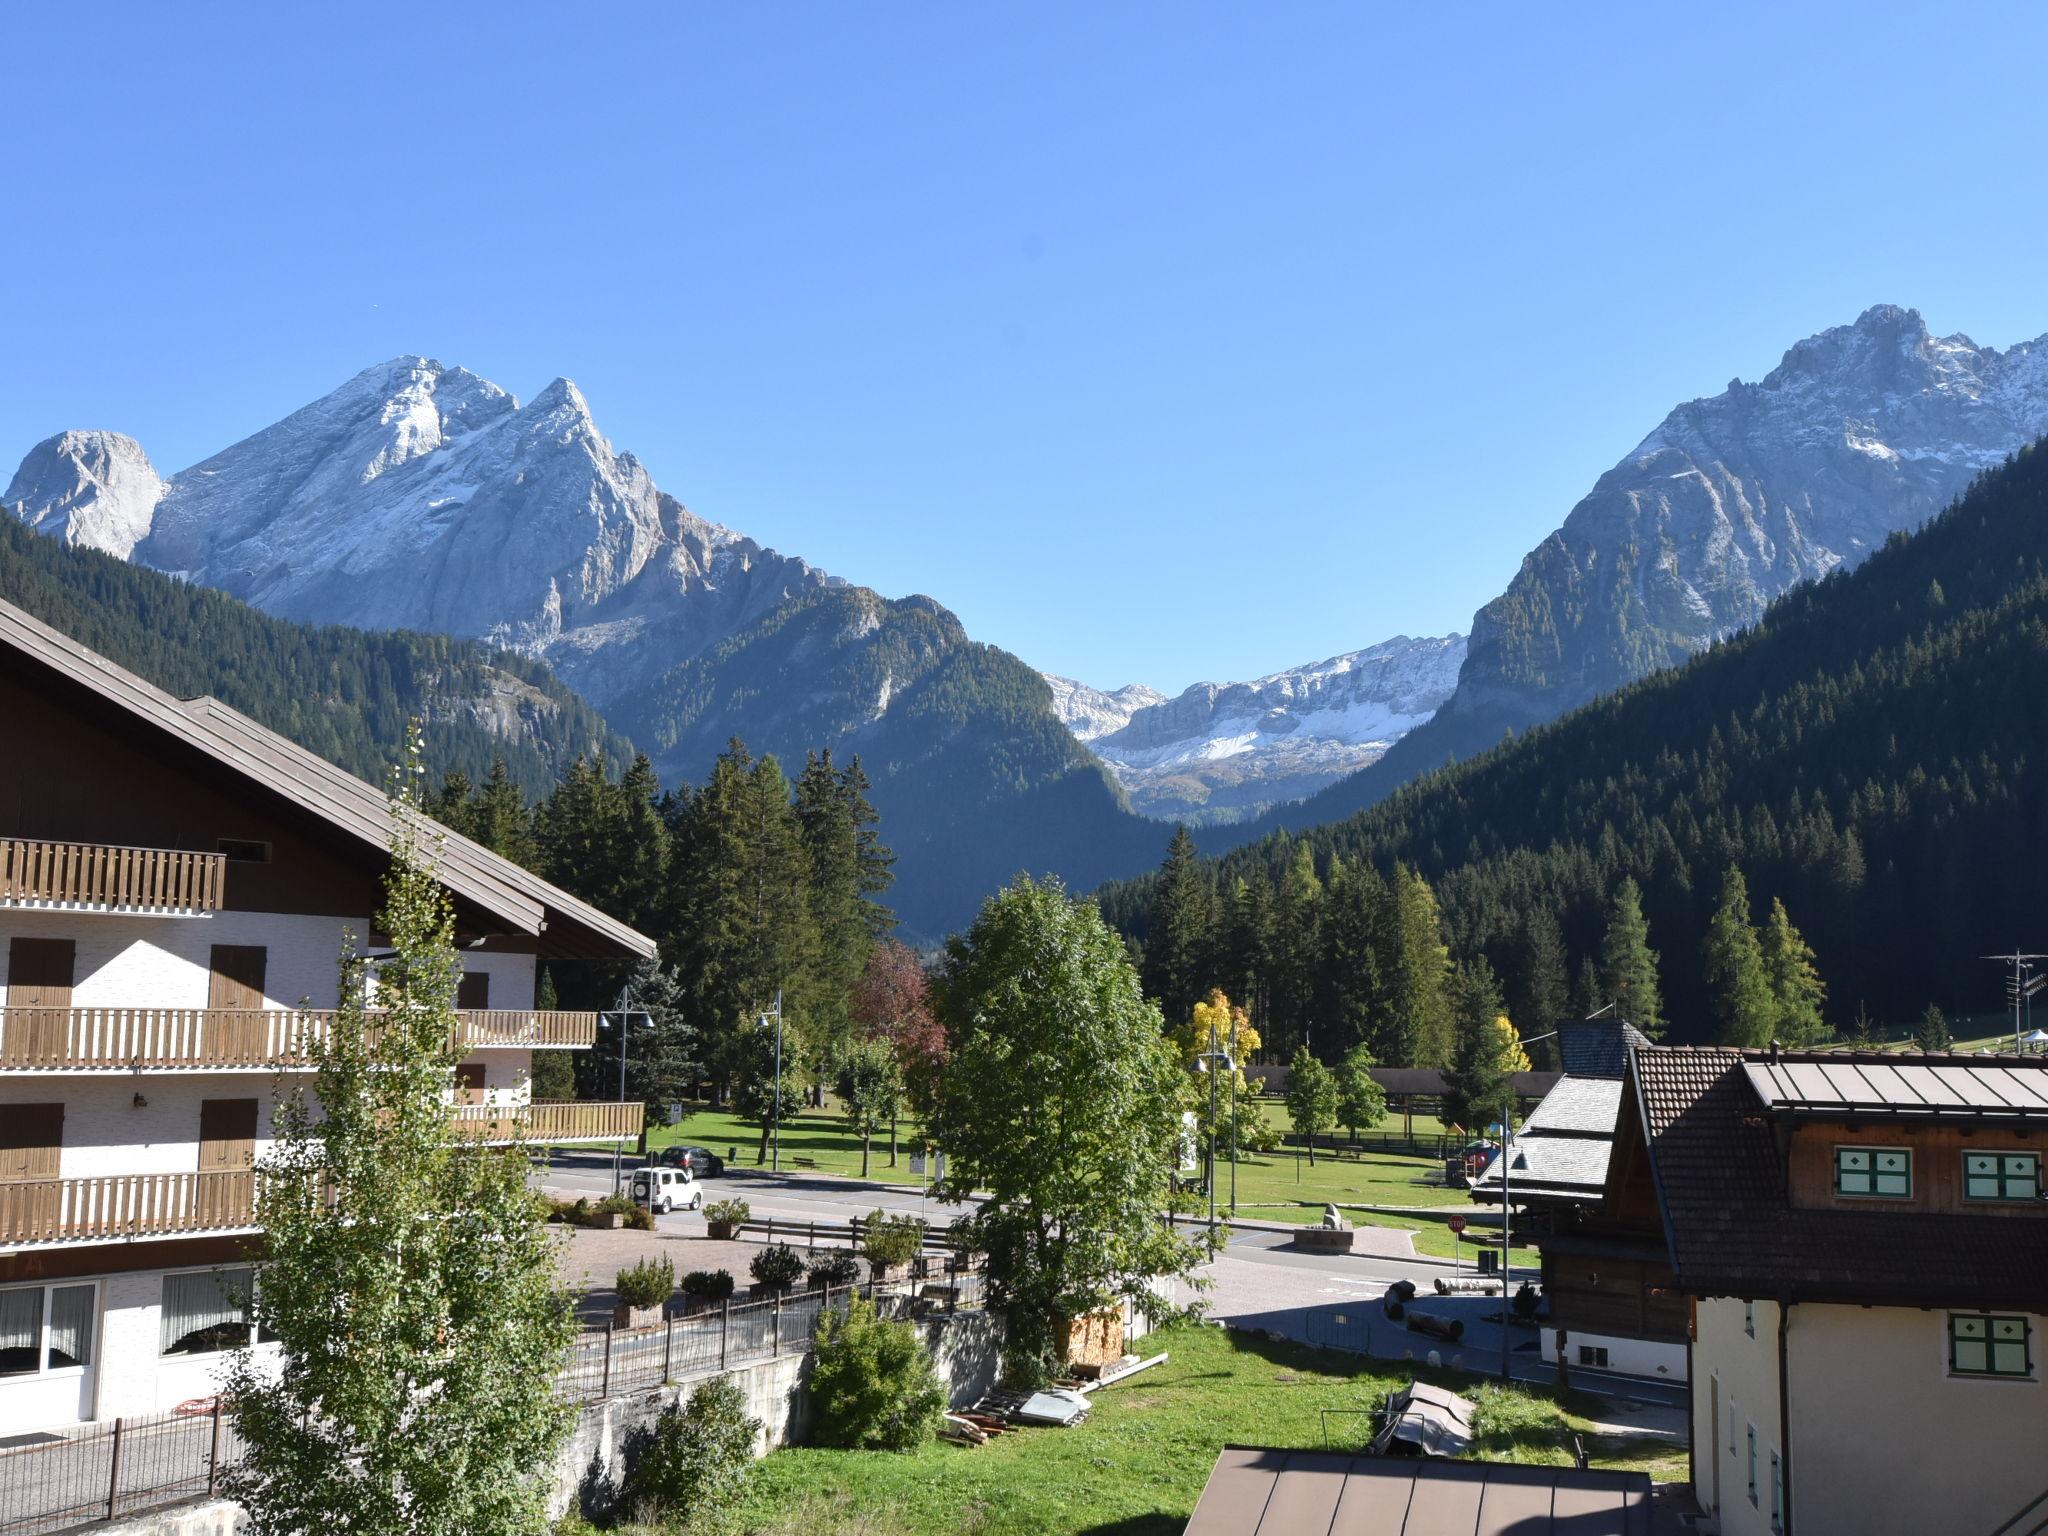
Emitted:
<point x="96" y="489"/>
<point x="1224" y="751"/>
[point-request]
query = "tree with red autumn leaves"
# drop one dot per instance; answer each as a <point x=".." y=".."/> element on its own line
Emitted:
<point x="892" y="1002"/>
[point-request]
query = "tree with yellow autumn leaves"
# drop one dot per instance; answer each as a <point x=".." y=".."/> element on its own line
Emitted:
<point x="1235" y="1036"/>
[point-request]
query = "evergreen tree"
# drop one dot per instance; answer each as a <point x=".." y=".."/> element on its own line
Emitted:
<point x="1628" y="966"/>
<point x="1588" y="998"/>
<point x="499" y="817"/>
<point x="1796" y="987"/>
<point x="554" y="1072"/>
<point x="1351" y="1002"/>
<point x="1734" y="965"/>
<point x="1182" y="937"/>
<point x="1294" y="950"/>
<point x="1478" y="1084"/>
<point x="839" y="916"/>
<point x="1247" y="944"/>
<point x="1419" y="1006"/>
<point x="1540" y="997"/>
<point x="1931" y="1033"/>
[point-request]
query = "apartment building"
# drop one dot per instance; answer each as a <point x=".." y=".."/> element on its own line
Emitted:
<point x="1863" y="1245"/>
<point x="175" y="882"/>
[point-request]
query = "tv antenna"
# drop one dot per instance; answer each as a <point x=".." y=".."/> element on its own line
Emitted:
<point x="2020" y="988"/>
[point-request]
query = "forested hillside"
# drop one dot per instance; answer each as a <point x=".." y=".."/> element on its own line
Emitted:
<point x="972" y="771"/>
<point x="1871" y="755"/>
<point x="344" y="693"/>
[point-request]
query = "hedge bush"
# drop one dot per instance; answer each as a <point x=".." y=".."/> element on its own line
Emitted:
<point x="700" y="1458"/>
<point x="834" y="1266"/>
<point x="873" y="1382"/>
<point x="648" y="1283"/>
<point x="708" y="1284"/>
<point x="777" y="1266"/>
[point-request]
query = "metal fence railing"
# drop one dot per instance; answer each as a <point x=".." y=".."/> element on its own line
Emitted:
<point x="107" y="1471"/>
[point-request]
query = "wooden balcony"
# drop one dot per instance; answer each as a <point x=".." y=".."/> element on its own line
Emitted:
<point x="125" y="1206"/>
<point x="101" y="877"/>
<point x="550" y="1120"/>
<point x="226" y="1039"/>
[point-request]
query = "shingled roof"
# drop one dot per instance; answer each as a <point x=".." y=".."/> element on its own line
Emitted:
<point x="1732" y="1231"/>
<point x="1597" y="1047"/>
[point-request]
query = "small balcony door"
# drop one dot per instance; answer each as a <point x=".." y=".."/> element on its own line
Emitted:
<point x="31" y="1158"/>
<point x="227" y="1135"/>
<point x="40" y="973"/>
<point x="469" y="1082"/>
<point x="474" y="990"/>
<point x="235" y="982"/>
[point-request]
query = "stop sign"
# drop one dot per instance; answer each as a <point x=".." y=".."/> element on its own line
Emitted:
<point x="1456" y="1224"/>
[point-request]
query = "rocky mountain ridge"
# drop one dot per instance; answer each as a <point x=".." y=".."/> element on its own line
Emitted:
<point x="1219" y="752"/>
<point x="1861" y="431"/>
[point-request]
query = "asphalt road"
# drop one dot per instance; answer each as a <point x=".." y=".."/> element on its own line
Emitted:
<point x="1259" y="1282"/>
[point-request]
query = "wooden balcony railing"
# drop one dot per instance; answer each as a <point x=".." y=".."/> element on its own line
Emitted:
<point x="550" y="1120"/>
<point x="34" y="872"/>
<point x="126" y="1205"/>
<point x="132" y="1039"/>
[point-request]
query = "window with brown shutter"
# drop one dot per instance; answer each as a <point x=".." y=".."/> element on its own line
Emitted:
<point x="227" y="1135"/>
<point x="469" y="1082"/>
<point x="31" y="1142"/>
<point x="236" y="983"/>
<point x="474" y="990"/>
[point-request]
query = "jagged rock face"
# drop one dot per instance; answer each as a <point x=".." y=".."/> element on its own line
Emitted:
<point x="1860" y="431"/>
<point x="96" y="489"/>
<point x="1223" y="751"/>
<point x="1090" y="712"/>
<point x="425" y="497"/>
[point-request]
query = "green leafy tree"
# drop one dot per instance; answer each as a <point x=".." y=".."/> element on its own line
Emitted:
<point x="892" y="1001"/>
<point x="1628" y="966"/>
<point x="870" y="1090"/>
<point x="1735" y="970"/>
<point x="1311" y="1097"/>
<point x="701" y="1457"/>
<point x="408" y="1279"/>
<point x="1361" y="1102"/>
<point x="1796" y="987"/>
<point x="1479" y="1083"/>
<point x="1931" y="1033"/>
<point x="873" y="1381"/>
<point x="1061" y="1100"/>
<point x="759" y="1093"/>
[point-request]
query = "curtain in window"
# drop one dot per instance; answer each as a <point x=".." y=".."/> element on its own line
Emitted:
<point x="205" y="1312"/>
<point x="71" y="1318"/>
<point x="21" y="1331"/>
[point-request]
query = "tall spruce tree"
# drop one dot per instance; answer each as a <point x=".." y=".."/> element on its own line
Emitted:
<point x="1351" y="1002"/>
<point x="1294" y="951"/>
<point x="1179" y="947"/>
<point x="1418" y="1003"/>
<point x="1478" y="1084"/>
<point x="1628" y="966"/>
<point x="1541" y="995"/>
<point x="1734" y="966"/>
<point x="1796" y="986"/>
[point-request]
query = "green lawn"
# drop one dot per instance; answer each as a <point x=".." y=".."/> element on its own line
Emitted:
<point x="1138" y="1465"/>
<point x="818" y="1134"/>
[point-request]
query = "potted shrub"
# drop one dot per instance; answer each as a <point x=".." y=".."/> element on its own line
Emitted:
<point x="643" y="1292"/>
<point x="706" y="1287"/>
<point x="834" y="1266"/>
<point x="723" y="1217"/>
<point x="777" y="1267"/>
<point x="891" y="1242"/>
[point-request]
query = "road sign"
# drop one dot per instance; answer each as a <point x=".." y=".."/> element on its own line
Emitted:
<point x="1456" y="1224"/>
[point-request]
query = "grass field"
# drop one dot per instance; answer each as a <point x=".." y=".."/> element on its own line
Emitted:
<point x="1138" y="1465"/>
<point x="818" y="1141"/>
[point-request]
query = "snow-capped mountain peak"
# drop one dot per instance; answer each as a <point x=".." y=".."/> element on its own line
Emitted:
<point x="92" y="488"/>
<point x="1223" y="751"/>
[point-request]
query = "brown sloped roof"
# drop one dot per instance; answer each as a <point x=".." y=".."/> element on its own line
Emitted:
<point x="306" y="784"/>
<point x="1732" y="1231"/>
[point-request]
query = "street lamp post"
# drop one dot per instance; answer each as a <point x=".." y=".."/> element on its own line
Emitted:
<point x="1212" y="1125"/>
<point x="775" y="1104"/>
<point x="623" y="1014"/>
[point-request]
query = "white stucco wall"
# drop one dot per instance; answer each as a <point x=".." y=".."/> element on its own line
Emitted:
<point x="1746" y="1370"/>
<point x="1625" y="1356"/>
<point x="107" y="1132"/>
<point x="1885" y="1439"/>
<point x="162" y="962"/>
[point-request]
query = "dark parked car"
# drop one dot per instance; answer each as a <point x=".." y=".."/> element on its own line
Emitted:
<point x="701" y="1161"/>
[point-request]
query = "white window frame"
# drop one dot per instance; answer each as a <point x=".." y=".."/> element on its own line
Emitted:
<point x="44" y="1371"/>
<point x="255" y="1277"/>
<point x="2001" y="1153"/>
<point x="1873" y="1193"/>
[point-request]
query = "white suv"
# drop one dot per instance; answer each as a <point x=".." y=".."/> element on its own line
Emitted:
<point x="663" y="1190"/>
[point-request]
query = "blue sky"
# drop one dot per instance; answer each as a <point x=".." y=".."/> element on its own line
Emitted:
<point x="1161" y="342"/>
